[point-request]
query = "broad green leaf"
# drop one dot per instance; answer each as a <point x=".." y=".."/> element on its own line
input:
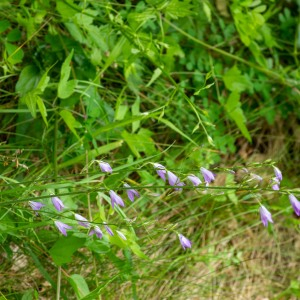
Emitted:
<point x="233" y="107"/>
<point x="79" y="285"/>
<point x="15" y="54"/>
<point x="42" y="83"/>
<point x="67" y="8"/>
<point x="4" y="24"/>
<point x="64" y="248"/>
<point x="30" y="99"/>
<point x="235" y="82"/>
<point x="65" y="87"/>
<point x="70" y="121"/>
<point x="29" y="77"/>
<point x="42" y="109"/>
<point x="14" y="35"/>
<point x="178" y="9"/>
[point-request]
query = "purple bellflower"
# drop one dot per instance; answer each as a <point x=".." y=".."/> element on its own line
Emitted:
<point x="207" y="175"/>
<point x="194" y="180"/>
<point x="36" y="205"/>
<point x="62" y="227"/>
<point x="105" y="167"/>
<point x="295" y="204"/>
<point x="131" y="193"/>
<point x="108" y="229"/>
<point x="121" y="235"/>
<point x="257" y="177"/>
<point x="115" y="199"/>
<point x="265" y="216"/>
<point x="82" y="221"/>
<point x="174" y="180"/>
<point x="160" y="170"/>
<point x="96" y="230"/>
<point x="57" y="203"/>
<point x="185" y="243"/>
<point x="276" y="184"/>
<point x="278" y="173"/>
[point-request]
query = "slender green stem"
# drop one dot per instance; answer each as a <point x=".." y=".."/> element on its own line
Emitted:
<point x="58" y="282"/>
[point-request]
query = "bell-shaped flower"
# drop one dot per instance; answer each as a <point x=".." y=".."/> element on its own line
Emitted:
<point x="257" y="177"/>
<point x="108" y="229"/>
<point x="160" y="170"/>
<point x="131" y="193"/>
<point x="207" y="175"/>
<point x="115" y="199"/>
<point x="57" y="203"/>
<point x="194" y="180"/>
<point x="105" y="167"/>
<point x="82" y="221"/>
<point x="121" y="235"/>
<point x="36" y="205"/>
<point x="174" y="180"/>
<point x="185" y="243"/>
<point x="62" y="227"/>
<point x="295" y="204"/>
<point x="96" y="230"/>
<point x="276" y="184"/>
<point x="278" y="173"/>
<point x="265" y="216"/>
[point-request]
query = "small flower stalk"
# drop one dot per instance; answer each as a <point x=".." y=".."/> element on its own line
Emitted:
<point x="295" y="204"/>
<point x="131" y="193"/>
<point x="58" y="204"/>
<point x="105" y="167"/>
<point x="207" y="175"/>
<point x="185" y="243"/>
<point x="62" y="227"/>
<point x="115" y="199"/>
<point x="265" y="216"/>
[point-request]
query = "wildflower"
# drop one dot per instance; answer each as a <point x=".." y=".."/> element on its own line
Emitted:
<point x="82" y="221"/>
<point x="62" y="227"/>
<point x="179" y="184"/>
<point x="207" y="175"/>
<point x="57" y="203"/>
<point x="185" y="243"/>
<point x="36" y="205"/>
<point x="105" y="167"/>
<point x="278" y="173"/>
<point x="172" y="178"/>
<point x="160" y="170"/>
<point x="121" y="235"/>
<point x="295" y="204"/>
<point x="276" y="184"/>
<point x="257" y="177"/>
<point x="131" y="193"/>
<point x="108" y="229"/>
<point x="265" y="216"/>
<point x="96" y="230"/>
<point x="194" y="179"/>
<point x="115" y="199"/>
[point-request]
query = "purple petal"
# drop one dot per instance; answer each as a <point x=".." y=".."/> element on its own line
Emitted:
<point x="96" y="230"/>
<point x="160" y="170"/>
<point x="172" y="178"/>
<point x="105" y="167"/>
<point x="82" y="221"/>
<point x="185" y="243"/>
<point x="36" y="205"/>
<point x="194" y="179"/>
<point x="115" y="199"/>
<point x="57" y="203"/>
<point x="131" y="193"/>
<point x="108" y="229"/>
<point x="208" y="175"/>
<point x="62" y="227"/>
<point x="278" y="173"/>
<point x="265" y="215"/>
<point x="295" y="204"/>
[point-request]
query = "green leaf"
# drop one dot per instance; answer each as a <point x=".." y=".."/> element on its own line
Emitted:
<point x="28" y="79"/>
<point x="233" y="107"/>
<point x="14" y="35"/>
<point x="70" y="121"/>
<point x="42" y="83"/>
<point x="4" y="24"/>
<point x="65" y="87"/>
<point x="42" y="109"/>
<point x="30" y="99"/>
<point x="67" y="8"/>
<point x="135" y="111"/>
<point x="235" y="82"/>
<point x="15" y="54"/>
<point x="64" y="248"/>
<point x="157" y="72"/>
<point x="79" y="285"/>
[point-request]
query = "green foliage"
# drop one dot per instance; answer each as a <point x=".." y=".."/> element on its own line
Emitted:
<point x="185" y="83"/>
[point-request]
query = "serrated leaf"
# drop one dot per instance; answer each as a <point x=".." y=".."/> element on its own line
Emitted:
<point x="235" y="82"/>
<point x="233" y="107"/>
<point x="65" y="87"/>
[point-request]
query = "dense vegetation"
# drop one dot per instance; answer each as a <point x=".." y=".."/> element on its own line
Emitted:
<point x="186" y="84"/>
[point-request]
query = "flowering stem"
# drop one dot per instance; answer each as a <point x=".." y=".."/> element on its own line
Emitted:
<point x="58" y="282"/>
